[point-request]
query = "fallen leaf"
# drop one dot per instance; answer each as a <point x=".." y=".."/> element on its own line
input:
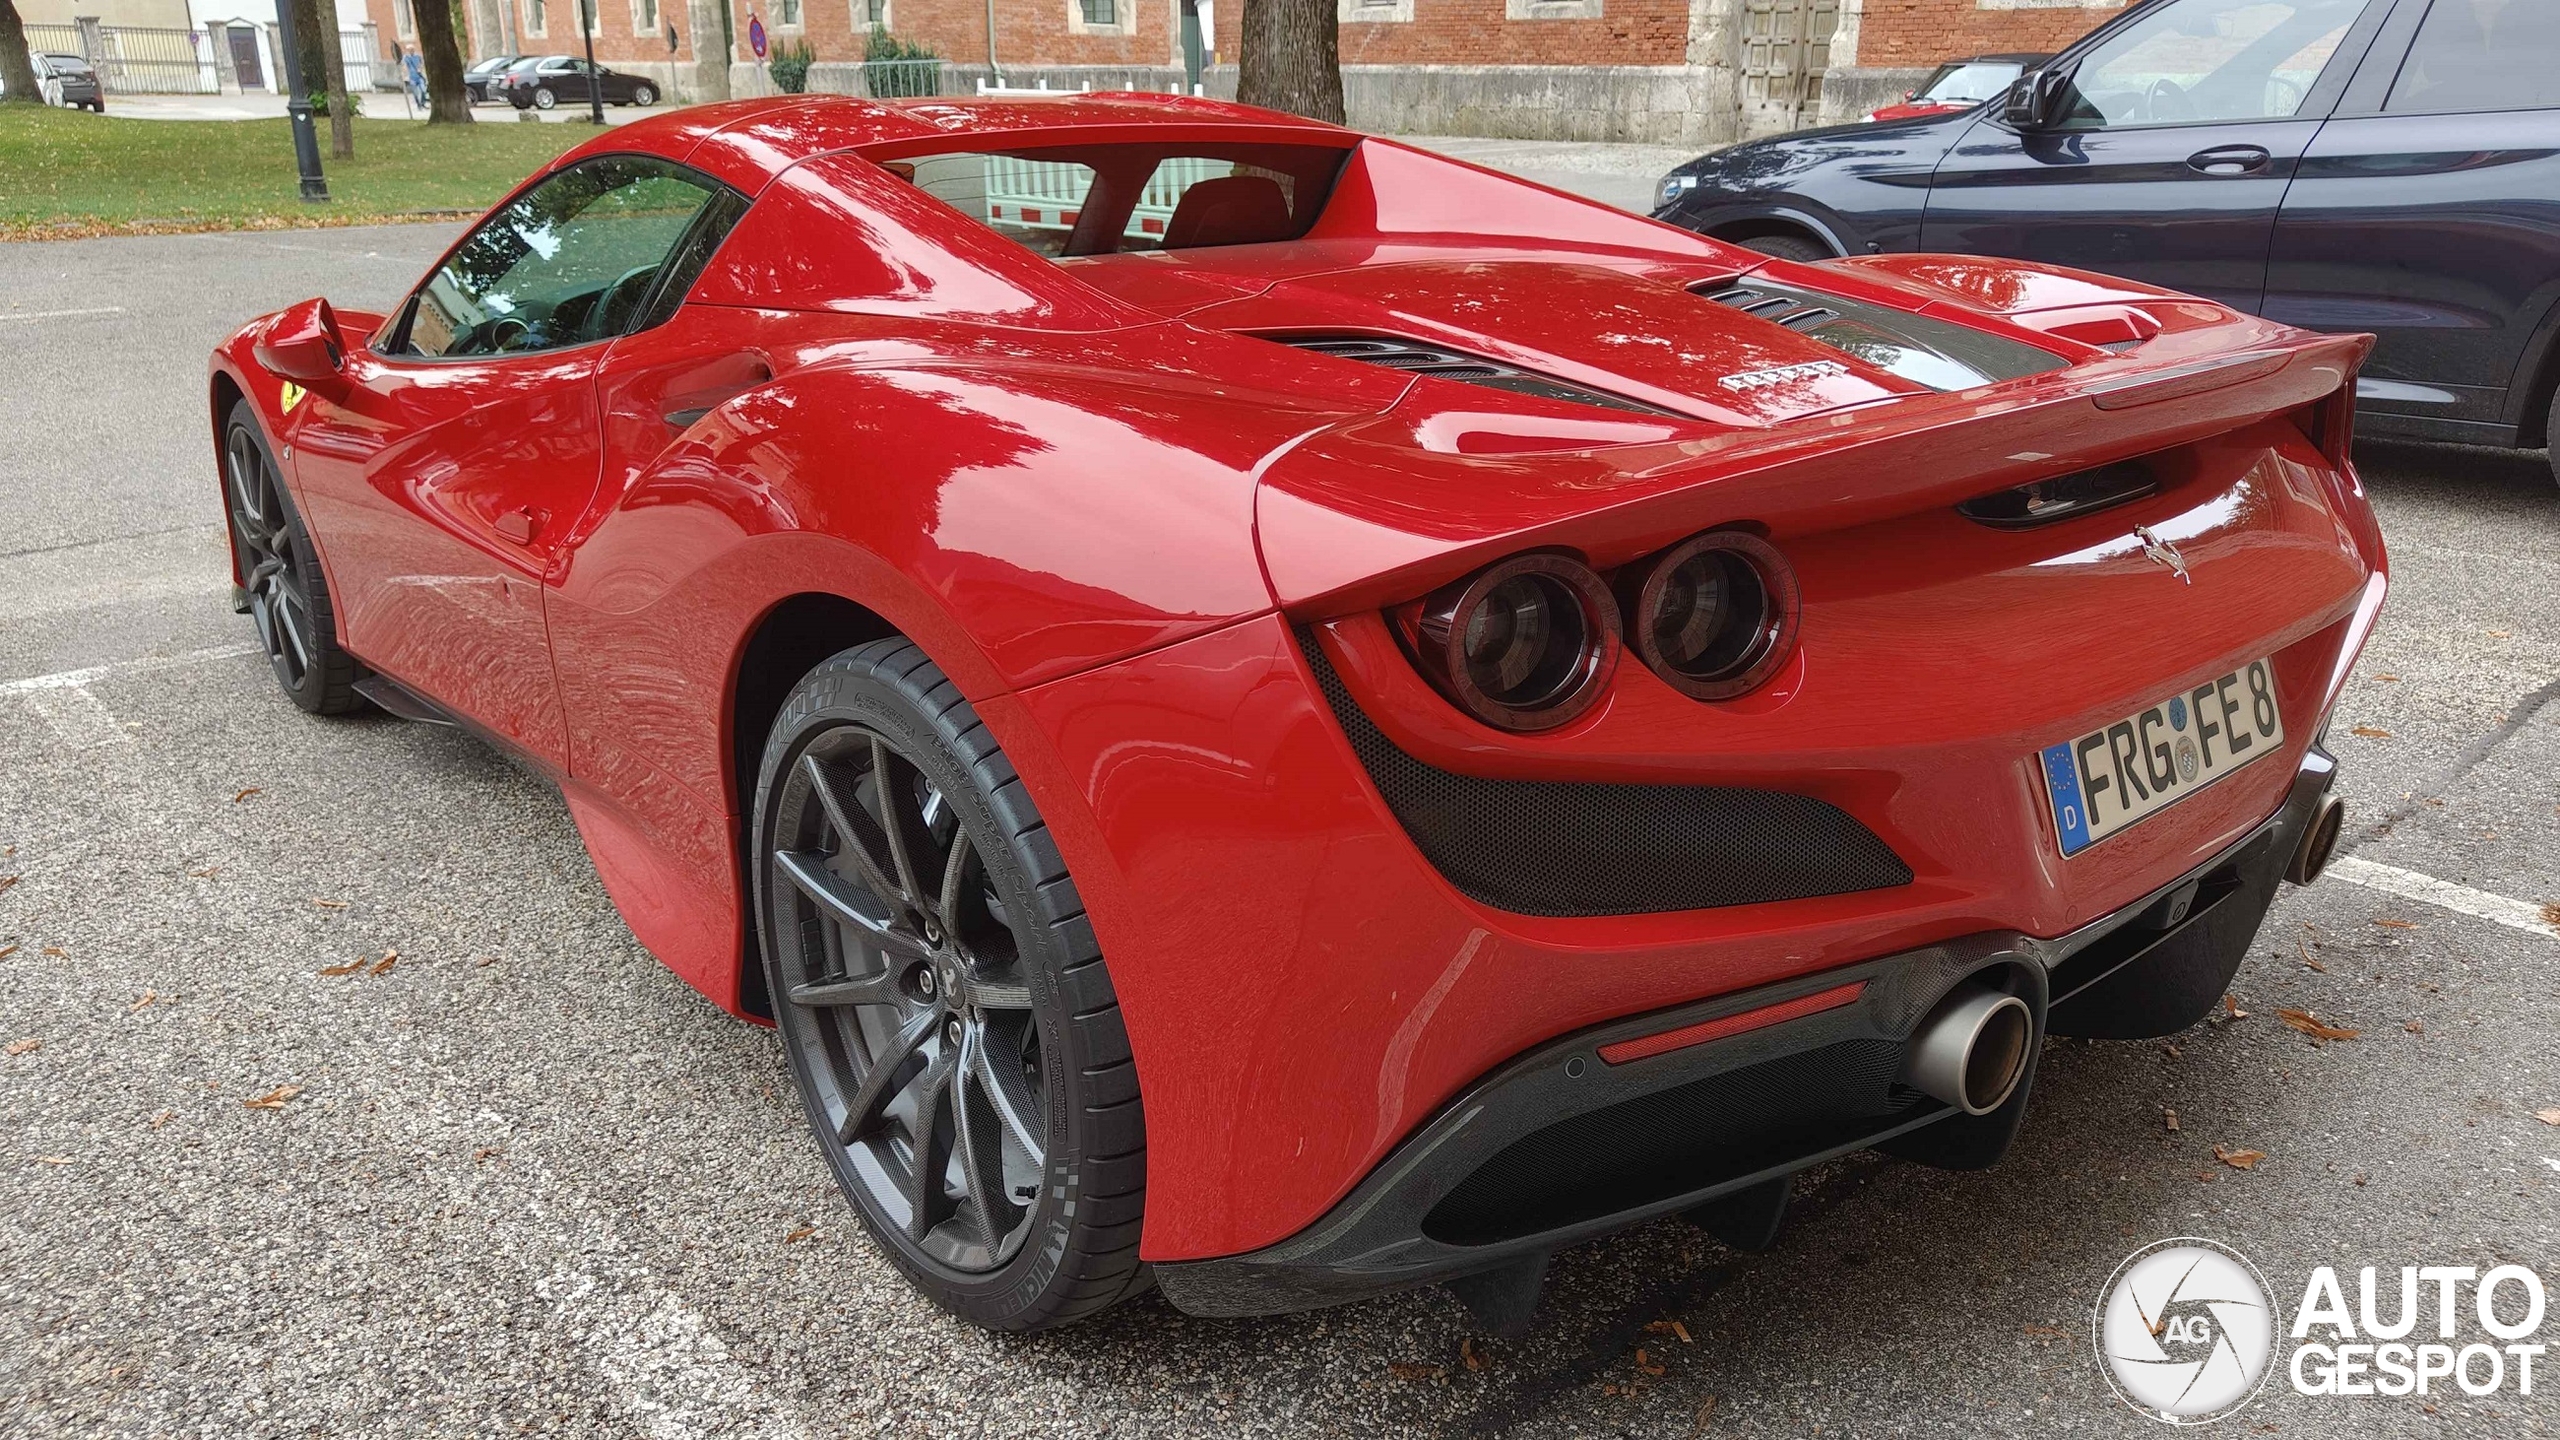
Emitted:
<point x="383" y="965"/>
<point x="2239" y="1159"/>
<point x="148" y="996"/>
<point x="487" y="1152"/>
<point x="1467" y="1352"/>
<point x="2415" y="1028"/>
<point x="1410" y="1370"/>
<point x="2171" y="1116"/>
<point x="2307" y="960"/>
<point x="2500" y="634"/>
<point x="2397" y="924"/>
<point x="207" y="872"/>
<point x="7" y="950"/>
<point x="163" y="1118"/>
<point x="1706" y="1412"/>
<point x="484" y="962"/>
<point x="2361" y="1179"/>
<point x="53" y="1160"/>
<point x="245" y="794"/>
<point x="2548" y="1117"/>
<point x="328" y="904"/>
<point x="349" y="968"/>
<point x="274" y="1099"/>
<point x="2041" y="1332"/>
<point x="56" y="951"/>
<point x="2551" y="914"/>
<point x="28" y="1046"/>
<point x="2387" y="678"/>
<point x="7" y="881"/>
<point x="2309" y="1024"/>
<point x="803" y="1233"/>
<point x="2370" y="732"/>
<point x="1683" y="1332"/>
<point x="2231" y="1008"/>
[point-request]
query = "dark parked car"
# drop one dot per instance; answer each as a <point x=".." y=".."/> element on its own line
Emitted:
<point x="544" y="83"/>
<point x="68" y="80"/>
<point x="1961" y="85"/>
<point x="480" y="78"/>
<point x="2390" y="166"/>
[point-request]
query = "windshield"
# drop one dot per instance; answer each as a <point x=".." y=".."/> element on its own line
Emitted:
<point x="1970" y="82"/>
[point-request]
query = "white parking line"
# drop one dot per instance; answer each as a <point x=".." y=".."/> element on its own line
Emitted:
<point x="61" y="314"/>
<point x="143" y="665"/>
<point x="2410" y="885"/>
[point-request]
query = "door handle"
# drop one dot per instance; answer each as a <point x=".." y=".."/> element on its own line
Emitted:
<point x="521" y="524"/>
<point x="2230" y="160"/>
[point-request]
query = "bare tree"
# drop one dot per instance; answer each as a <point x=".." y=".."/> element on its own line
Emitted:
<point x="448" y="103"/>
<point x="17" y="68"/>
<point x="1292" y="58"/>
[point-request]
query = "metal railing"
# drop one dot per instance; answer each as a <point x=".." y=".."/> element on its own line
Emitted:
<point x="901" y="79"/>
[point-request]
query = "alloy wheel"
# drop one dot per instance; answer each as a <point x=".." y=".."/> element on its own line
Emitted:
<point x="262" y="532"/>
<point x="905" y="991"/>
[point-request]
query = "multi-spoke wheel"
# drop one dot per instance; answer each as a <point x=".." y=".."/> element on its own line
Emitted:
<point x="286" y="595"/>
<point x="955" y="1037"/>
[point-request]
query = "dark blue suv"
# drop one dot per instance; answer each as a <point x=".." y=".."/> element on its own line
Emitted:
<point x="2390" y="166"/>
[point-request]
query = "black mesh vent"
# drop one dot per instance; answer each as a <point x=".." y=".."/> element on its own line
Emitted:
<point x="1560" y="848"/>
<point x="1778" y="306"/>
<point x="1416" y="358"/>
<point x="1678" y="1141"/>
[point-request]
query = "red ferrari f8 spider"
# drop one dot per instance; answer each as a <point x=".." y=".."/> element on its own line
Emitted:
<point x="1279" y="716"/>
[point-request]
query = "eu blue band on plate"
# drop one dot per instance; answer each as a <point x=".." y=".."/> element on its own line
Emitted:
<point x="2071" y="817"/>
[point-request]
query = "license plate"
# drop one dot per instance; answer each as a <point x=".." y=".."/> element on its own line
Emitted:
<point x="2146" y="762"/>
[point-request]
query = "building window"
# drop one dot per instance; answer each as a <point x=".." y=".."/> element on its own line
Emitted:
<point x="537" y="18"/>
<point x="1097" y="17"/>
<point x="1551" y="9"/>
<point x="1101" y="12"/>
<point x="786" y="13"/>
<point x="871" y="14"/>
<point x="1374" y="12"/>
<point x="404" y="21"/>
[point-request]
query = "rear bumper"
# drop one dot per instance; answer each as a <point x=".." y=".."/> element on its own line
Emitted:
<point x="1559" y="1145"/>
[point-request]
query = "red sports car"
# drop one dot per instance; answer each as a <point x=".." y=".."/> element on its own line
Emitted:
<point x="1960" y="85"/>
<point x="1280" y="716"/>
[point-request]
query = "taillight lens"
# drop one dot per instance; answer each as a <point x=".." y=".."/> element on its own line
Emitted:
<point x="1525" y="645"/>
<point x="1714" y="615"/>
<point x="2331" y="423"/>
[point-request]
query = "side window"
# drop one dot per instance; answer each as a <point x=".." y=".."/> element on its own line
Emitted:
<point x="2188" y="61"/>
<point x="575" y="259"/>
<point x="2481" y="55"/>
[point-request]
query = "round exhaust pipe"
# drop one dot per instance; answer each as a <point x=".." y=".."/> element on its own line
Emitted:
<point x="1972" y="1049"/>
<point x="2319" y="841"/>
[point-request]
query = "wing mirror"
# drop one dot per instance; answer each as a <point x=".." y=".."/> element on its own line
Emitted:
<point x="2037" y="100"/>
<point x="303" y="345"/>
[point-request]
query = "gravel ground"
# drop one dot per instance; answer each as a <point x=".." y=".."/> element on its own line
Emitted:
<point x="522" y="1179"/>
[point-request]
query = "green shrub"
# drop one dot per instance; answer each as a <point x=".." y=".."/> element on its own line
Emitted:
<point x="898" y="69"/>
<point x="790" y="66"/>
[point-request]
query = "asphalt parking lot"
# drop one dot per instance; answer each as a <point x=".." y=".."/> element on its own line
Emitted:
<point x="520" y="1179"/>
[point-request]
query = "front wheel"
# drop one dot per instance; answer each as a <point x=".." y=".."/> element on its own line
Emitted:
<point x="282" y="587"/>
<point x="2551" y="434"/>
<point x="644" y="96"/>
<point x="543" y="99"/>
<point x="953" y="1032"/>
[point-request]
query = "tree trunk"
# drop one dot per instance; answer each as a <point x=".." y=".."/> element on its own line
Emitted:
<point x="17" y="68"/>
<point x="319" y="20"/>
<point x="1292" y="58"/>
<point x="448" y="103"/>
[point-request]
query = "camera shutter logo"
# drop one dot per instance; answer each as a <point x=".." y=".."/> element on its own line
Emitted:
<point x="2186" y="1331"/>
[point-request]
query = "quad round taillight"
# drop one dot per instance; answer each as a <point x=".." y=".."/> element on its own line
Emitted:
<point x="1526" y="645"/>
<point x="1713" y="615"/>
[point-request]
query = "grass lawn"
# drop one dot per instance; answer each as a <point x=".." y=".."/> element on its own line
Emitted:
<point x="65" y="174"/>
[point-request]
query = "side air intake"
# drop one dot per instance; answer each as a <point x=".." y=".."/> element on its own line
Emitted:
<point x="1416" y="358"/>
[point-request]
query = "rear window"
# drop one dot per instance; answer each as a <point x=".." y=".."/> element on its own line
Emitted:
<point x="1064" y="201"/>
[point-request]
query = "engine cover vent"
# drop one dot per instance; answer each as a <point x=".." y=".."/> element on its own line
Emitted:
<point x="1417" y="358"/>
<point x="1922" y="349"/>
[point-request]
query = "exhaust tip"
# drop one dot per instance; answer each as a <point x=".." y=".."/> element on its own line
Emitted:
<point x="1972" y="1050"/>
<point x="2319" y="841"/>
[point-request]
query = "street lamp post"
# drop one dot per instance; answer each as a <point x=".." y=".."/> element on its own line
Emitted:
<point x="297" y="104"/>
<point x="595" y="82"/>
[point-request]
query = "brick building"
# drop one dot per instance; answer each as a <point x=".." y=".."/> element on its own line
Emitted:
<point x="1680" y="72"/>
